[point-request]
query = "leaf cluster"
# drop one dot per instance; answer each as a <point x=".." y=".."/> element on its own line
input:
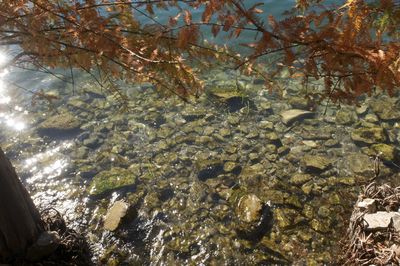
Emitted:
<point x="353" y="48"/>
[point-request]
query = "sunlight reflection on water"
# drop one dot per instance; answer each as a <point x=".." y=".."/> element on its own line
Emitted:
<point x="4" y="98"/>
<point x="10" y="116"/>
<point x="45" y="170"/>
<point x="3" y="58"/>
<point x="48" y="164"/>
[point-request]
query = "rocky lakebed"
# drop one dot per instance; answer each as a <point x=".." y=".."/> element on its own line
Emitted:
<point x="240" y="176"/>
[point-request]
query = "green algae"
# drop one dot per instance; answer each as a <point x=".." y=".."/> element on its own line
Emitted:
<point x="110" y="180"/>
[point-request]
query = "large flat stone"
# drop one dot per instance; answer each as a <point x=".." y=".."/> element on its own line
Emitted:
<point x="381" y="220"/>
<point x="368" y="135"/>
<point x="316" y="163"/>
<point x="289" y="116"/>
<point x="114" y="215"/>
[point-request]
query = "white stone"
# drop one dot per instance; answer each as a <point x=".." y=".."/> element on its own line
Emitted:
<point x="396" y="222"/>
<point x="292" y="115"/>
<point x="368" y="205"/>
<point x="362" y="109"/>
<point x="381" y="220"/>
<point x="114" y="215"/>
<point x="310" y="143"/>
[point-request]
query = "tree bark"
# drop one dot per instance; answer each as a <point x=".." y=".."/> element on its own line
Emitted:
<point x="20" y="223"/>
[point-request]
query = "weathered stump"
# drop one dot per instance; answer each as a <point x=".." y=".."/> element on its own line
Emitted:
<point x="20" y="223"/>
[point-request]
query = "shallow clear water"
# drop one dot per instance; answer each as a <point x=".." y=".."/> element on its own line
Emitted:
<point x="186" y="169"/>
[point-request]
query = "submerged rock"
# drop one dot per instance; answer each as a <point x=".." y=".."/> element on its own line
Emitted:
<point x="346" y="116"/>
<point x="360" y="164"/>
<point x="63" y="123"/>
<point x="226" y="92"/>
<point x="317" y="163"/>
<point x="112" y="179"/>
<point x="362" y="109"/>
<point x="272" y="137"/>
<point x="385" y="109"/>
<point x="371" y="118"/>
<point x="232" y="167"/>
<point x="44" y="246"/>
<point x="209" y="169"/>
<point x="387" y="152"/>
<point x="368" y="135"/>
<point x="299" y="102"/>
<point x="93" y="141"/>
<point x="230" y="95"/>
<point x="323" y="226"/>
<point x="309" y="132"/>
<point x="198" y="191"/>
<point x="115" y="215"/>
<point x="249" y="208"/>
<point x="253" y="216"/>
<point x="286" y="217"/>
<point x="289" y="116"/>
<point x="299" y="179"/>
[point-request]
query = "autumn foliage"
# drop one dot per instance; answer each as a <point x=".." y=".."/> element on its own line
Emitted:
<point x="353" y="48"/>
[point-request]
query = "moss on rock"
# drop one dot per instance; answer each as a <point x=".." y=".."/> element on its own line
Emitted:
<point x="112" y="179"/>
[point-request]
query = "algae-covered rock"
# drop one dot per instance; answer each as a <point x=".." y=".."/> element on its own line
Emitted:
<point x="272" y="136"/>
<point x="371" y="118"/>
<point x="316" y="163"/>
<point x="265" y="124"/>
<point x="198" y="191"/>
<point x="332" y="143"/>
<point x="233" y="120"/>
<point x="324" y="211"/>
<point x="286" y="217"/>
<point x="345" y="116"/>
<point x="250" y="175"/>
<point x="360" y="164"/>
<point x="299" y="102"/>
<point x="264" y="106"/>
<point x="253" y="134"/>
<point x="294" y="200"/>
<point x="232" y="96"/>
<point x="224" y="132"/>
<point x="299" y="179"/>
<point x="60" y="123"/>
<point x="308" y="211"/>
<point x="385" y="109"/>
<point x="112" y="179"/>
<point x="387" y="152"/>
<point x="323" y="226"/>
<point x="231" y="167"/>
<point x="307" y="187"/>
<point x="225" y="92"/>
<point x="317" y="132"/>
<point x="274" y="196"/>
<point x="76" y="103"/>
<point x="368" y="135"/>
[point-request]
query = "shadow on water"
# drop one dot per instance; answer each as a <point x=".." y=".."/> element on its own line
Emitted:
<point x="59" y="134"/>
